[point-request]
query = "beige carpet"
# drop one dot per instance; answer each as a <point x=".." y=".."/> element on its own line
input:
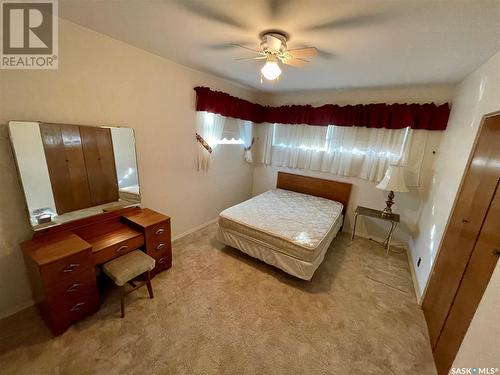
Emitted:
<point x="218" y="311"/>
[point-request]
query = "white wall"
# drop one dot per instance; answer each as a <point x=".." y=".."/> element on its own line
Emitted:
<point x="476" y="96"/>
<point x="102" y="81"/>
<point x="364" y="192"/>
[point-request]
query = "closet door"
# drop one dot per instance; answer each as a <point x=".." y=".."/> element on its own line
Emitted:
<point x="468" y="244"/>
<point x="100" y="162"/>
<point x="475" y="279"/>
<point x="66" y="164"/>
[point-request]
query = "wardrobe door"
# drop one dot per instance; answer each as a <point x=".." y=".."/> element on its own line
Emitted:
<point x="463" y="229"/>
<point x="66" y="164"/>
<point x="474" y="281"/>
<point x="454" y="288"/>
<point x="100" y="162"/>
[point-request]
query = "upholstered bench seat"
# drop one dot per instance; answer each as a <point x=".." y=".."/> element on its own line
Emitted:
<point x="127" y="267"/>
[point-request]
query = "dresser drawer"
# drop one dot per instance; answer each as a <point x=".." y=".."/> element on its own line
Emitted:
<point x="159" y="232"/>
<point x="158" y="240"/>
<point x="124" y="247"/>
<point x="158" y="248"/>
<point x="68" y="269"/>
<point x="70" y="288"/>
<point x="66" y="301"/>
<point x="68" y="307"/>
<point x="163" y="260"/>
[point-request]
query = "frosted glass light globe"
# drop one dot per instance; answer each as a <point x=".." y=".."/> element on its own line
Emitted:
<point x="271" y="70"/>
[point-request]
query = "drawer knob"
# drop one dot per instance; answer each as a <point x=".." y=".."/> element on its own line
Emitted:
<point x="161" y="260"/>
<point x="73" y="287"/>
<point x="71" y="267"/>
<point x="78" y="306"/>
<point x="160" y="246"/>
<point x="121" y="248"/>
<point x="159" y="231"/>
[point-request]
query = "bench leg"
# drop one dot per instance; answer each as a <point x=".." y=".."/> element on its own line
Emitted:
<point x="122" y="300"/>
<point x="148" y="284"/>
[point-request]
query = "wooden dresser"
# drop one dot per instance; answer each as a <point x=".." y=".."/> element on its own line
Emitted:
<point x="61" y="261"/>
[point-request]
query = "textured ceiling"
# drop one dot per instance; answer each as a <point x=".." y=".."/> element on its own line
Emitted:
<point x="362" y="43"/>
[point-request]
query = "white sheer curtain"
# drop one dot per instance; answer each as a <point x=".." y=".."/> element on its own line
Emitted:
<point x="245" y="128"/>
<point x="346" y="151"/>
<point x="210" y="127"/>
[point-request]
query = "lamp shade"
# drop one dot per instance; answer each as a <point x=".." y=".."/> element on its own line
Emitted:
<point x="394" y="179"/>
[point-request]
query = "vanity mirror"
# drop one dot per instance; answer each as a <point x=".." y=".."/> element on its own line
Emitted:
<point x="72" y="171"/>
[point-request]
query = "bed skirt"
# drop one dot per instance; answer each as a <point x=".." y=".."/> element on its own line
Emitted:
<point x="260" y="250"/>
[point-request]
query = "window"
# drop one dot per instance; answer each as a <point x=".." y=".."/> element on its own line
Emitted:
<point x="346" y="151"/>
<point x="300" y="136"/>
<point x="334" y="139"/>
<point x="231" y="133"/>
<point x="214" y="129"/>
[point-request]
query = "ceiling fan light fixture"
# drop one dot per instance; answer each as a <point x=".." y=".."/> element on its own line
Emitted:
<point x="273" y="48"/>
<point x="271" y="69"/>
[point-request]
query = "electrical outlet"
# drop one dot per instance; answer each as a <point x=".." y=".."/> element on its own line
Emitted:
<point x="418" y="261"/>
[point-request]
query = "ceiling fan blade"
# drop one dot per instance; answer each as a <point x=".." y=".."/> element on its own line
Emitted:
<point x="251" y="58"/>
<point x="248" y="48"/>
<point x="349" y="22"/>
<point x="276" y="7"/>
<point x="325" y="54"/>
<point x="273" y="43"/>
<point x="299" y="63"/>
<point x="303" y="52"/>
<point x="205" y="10"/>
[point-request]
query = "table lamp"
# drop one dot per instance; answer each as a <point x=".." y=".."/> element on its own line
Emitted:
<point x="393" y="180"/>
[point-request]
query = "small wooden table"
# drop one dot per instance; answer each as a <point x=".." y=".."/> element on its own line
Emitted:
<point x="377" y="214"/>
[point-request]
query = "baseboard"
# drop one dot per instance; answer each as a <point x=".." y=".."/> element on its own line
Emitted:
<point x="418" y="296"/>
<point x="26" y="304"/>
<point x="16" y="309"/>
<point x="406" y="248"/>
<point x="196" y="228"/>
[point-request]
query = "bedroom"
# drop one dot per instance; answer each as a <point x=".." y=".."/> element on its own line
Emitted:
<point x="216" y="309"/>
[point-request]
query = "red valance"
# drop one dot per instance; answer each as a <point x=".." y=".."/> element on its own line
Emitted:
<point x="391" y="116"/>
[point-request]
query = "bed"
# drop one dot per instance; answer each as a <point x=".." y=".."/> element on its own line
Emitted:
<point x="290" y="227"/>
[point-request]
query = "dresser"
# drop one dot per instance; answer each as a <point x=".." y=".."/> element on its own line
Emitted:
<point x="62" y="261"/>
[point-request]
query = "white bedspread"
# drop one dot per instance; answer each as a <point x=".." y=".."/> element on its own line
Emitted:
<point x="295" y="223"/>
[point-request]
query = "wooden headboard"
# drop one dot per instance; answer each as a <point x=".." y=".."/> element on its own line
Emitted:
<point x="319" y="187"/>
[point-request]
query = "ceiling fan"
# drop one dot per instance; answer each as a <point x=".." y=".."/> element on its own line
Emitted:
<point x="274" y="50"/>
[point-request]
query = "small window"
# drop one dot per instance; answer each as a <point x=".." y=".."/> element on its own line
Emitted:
<point x="231" y="133"/>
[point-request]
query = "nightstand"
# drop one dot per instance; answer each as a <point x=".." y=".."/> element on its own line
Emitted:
<point x="377" y="214"/>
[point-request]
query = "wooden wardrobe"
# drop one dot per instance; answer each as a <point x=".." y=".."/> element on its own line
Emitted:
<point x="81" y="165"/>
<point x="469" y="252"/>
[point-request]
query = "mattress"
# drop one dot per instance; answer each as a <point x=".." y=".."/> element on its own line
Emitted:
<point x="270" y="255"/>
<point x="298" y="225"/>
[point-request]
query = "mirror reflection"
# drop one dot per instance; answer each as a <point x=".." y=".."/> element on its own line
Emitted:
<point x="71" y="171"/>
